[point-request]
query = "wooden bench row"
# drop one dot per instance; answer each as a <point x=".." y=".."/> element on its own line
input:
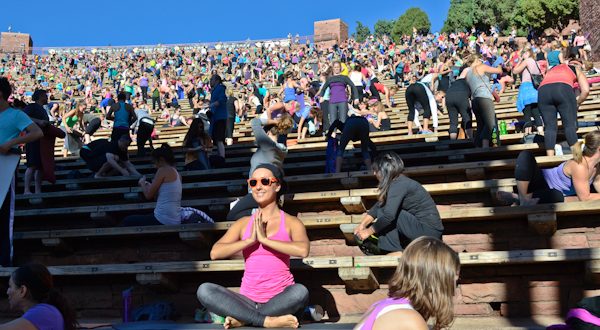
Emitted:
<point x="356" y="272"/>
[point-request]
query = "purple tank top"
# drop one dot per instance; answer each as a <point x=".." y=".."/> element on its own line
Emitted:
<point x="557" y="179"/>
<point x="377" y="307"/>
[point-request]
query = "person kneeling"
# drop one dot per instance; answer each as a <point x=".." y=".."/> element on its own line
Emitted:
<point x="108" y="158"/>
<point x="268" y="296"/>
<point x="404" y="212"/>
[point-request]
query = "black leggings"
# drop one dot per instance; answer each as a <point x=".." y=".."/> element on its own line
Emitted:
<point x="485" y="115"/>
<point x="406" y="229"/>
<point x="356" y="129"/>
<point x="527" y="170"/>
<point x="458" y="103"/>
<point x="117" y="132"/>
<point x="224" y="302"/>
<point x="532" y="111"/>
<point x="140" y="220"/>
<point x="7" y="213"/>
<point x="144" y="134"/>
<point x="243" y="208"/>
<point x="556" y="99"/>
<point x="417" y="93"/>
<point x="229" y="127"/>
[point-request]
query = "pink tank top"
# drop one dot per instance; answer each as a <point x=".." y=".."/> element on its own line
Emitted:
<point x="267" y="272"/>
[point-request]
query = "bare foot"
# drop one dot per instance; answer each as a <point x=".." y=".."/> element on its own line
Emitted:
<point x="231" y="323"/>
<point x="285" y="321"/>
<point x="507" y="197"/>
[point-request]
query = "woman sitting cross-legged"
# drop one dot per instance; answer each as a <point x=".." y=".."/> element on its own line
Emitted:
<point x="571" y="180"/>
<point x="166" y="187"/>
<point x="405" y="210"/>
<point x="422" y="288"/>
<point x="268" y="296"/>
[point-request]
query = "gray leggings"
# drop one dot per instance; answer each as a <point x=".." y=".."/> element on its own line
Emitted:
<point x="338" y="111"/>
<point x="224" y="302"/>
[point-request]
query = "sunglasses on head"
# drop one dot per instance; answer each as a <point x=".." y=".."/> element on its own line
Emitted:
<point x="252" y="182"/>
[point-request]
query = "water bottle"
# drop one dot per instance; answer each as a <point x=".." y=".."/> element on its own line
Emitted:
<point x="126" y="304"/>
<point x="503" y="130"/>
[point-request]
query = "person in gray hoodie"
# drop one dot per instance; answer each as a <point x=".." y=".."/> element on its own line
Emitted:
<point x="268" y="151"/>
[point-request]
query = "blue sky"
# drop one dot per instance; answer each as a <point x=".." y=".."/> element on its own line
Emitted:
<point x="123" y="22"/>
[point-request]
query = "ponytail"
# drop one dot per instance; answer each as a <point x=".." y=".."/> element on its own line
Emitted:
<point x="56" y="299"/>
<point x="577" y="150"/>
<point x="587" y="147"/>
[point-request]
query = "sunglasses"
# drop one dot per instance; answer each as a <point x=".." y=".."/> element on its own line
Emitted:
<point x="263" y="181"/>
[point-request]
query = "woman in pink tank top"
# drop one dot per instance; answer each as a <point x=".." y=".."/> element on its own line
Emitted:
<point x="417" y="292"/>
<point x="268" y="295"/>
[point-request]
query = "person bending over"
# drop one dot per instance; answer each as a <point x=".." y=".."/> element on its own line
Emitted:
<point x="108" y="158"/>
<point x="422" y="288"/>
<point x="268" y="151"/>
<point x="166" y="187"/>
<point x="268" y="296"/>
<point x="31" y="292"/>
<point x="404" y="212"/>
<point x="356" y="128"/>
<point x="572" y="178"/>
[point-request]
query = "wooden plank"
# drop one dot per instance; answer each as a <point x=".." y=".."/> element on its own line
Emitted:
<point x="359" y="279"/>
<point x="353" y="204"/>
<point x="446" y="188"/>
<point x="542" y="223"/>
<point x="183" y="267"/>
<point x="496" y="257"/>
<point x="321" y="196"/>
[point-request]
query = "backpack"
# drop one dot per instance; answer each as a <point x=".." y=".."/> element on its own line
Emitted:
<point x="585" y="317"/>
<point x="160" y="311"/>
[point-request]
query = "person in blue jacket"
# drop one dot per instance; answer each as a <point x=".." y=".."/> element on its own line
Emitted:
<point x="218" y="107"/>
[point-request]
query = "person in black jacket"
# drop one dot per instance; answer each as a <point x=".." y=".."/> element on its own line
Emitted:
<point x="404" y="212"/>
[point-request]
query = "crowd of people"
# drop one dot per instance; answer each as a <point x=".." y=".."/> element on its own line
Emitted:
<point x="336" y="92"/>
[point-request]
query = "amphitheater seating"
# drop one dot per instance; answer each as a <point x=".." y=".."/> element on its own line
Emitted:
<point x="561" y="245"/>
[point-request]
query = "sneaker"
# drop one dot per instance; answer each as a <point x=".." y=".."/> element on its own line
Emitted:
<point x="314" y="312"/>
<point x="558" y="150"/>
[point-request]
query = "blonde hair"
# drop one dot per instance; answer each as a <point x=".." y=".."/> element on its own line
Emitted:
<point x="229" y="92"/>
<point x="426" y="276"/>
<point x="592" y="143"/>
<point x="284" y="124"/>
<point x="471" y="59"/>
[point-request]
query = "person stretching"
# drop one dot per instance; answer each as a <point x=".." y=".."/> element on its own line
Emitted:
<point x="405" y="210"/>
<point x="570" y="180"/>
<point x="268" y="296"/>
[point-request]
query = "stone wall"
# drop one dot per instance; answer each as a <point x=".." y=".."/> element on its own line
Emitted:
<point x="330" y="30"/>
<point x="589" y="13"/>
<point x="15" y="42"/>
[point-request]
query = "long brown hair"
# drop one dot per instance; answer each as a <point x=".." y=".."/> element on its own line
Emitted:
<point x="40" y="286"/>
<point x="591" y="141"/>
<point x="426" y="276"/>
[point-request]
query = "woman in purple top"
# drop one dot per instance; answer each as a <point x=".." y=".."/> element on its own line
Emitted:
<point x="31" y="291"/>
<point x="338" y="93"/>
<point x="421" y="289"/>
<point x="572" y="178"/>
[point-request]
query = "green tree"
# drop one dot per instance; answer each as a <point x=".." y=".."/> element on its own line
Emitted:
<point x="464" y="14"/>
<point x="541" y="15"/>
<point x="383" y="27"/>
<point x="361" y="33"/>
<point x="413" y="18"/>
